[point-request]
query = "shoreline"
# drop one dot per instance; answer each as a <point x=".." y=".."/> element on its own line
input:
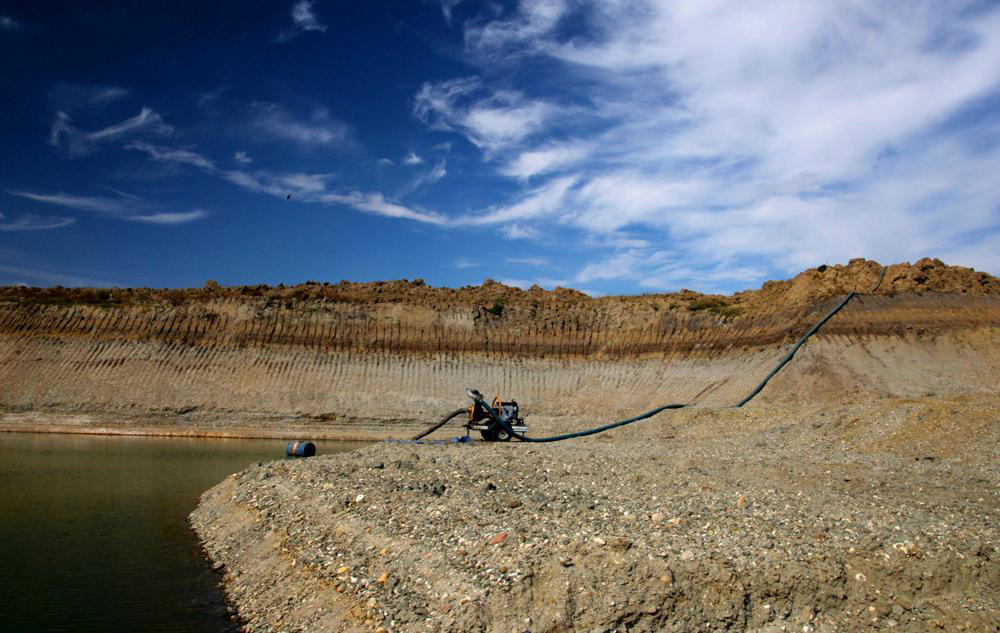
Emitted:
<point x="245" y="434"/>
<point x="146" y="426"/>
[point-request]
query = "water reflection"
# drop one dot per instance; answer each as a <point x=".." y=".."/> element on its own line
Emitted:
<point x="94" y="533"/>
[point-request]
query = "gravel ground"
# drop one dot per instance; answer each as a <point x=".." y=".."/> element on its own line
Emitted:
<point x="834" y="517"/>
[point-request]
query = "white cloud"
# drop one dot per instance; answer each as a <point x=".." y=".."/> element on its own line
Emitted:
<point x="534" y="19"/>
<point x="54" y="277"/>
<point x="169" y="218"/>
<point x="545" y="200"/>
<point x="375" y="202"/>
<point x="746" y="136"/>
<point x="313" y="188"/>
<point x="439" y="171"/>
<point x="492" y="120"/>
<point x="129" y="208"/>
<point x="462" y="263"/>
<point x="298" y="184"/>
<point x="384" y="162"/>
<point x="412" y="159"/>
<point x="447" y="6"/>
<point x="111" y="206"/>
<point x="170" y="154"/>
<point x="31" y="222"/>
<point x="76" y="142"/>
<point x="318" y="129"/>
<point x="544" y="160"/>
<point x="529" y="261"/>
<point x="69" y="97"/>
<point x="519" y="232"/>
<point x="8" y="23"/>
<point x="242" y="158"/>
<point x="303" y="19"/>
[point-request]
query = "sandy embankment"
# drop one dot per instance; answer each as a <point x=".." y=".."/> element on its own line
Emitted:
<point x="880" y="515"/>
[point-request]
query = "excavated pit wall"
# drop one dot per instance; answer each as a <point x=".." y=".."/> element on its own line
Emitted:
<point x="349" y="370"/>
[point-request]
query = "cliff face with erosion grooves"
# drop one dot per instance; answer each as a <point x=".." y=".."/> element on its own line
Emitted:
<point x="383" y="358"/>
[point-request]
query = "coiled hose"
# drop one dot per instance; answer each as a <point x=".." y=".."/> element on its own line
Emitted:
<point x="750" y="396"/>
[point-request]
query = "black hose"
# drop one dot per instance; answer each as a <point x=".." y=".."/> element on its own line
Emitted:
<point x="443" y="421"/>
<point x="642" y="416"/>
<point x="815" y="328"/>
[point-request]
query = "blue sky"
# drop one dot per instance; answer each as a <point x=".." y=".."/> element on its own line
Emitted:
<point x="616" y="147"/>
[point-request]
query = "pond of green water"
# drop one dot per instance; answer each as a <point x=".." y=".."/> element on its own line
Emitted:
<point x="94" y="533"/>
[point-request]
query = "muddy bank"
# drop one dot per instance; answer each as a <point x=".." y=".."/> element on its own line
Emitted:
<point x="830" y="517"/>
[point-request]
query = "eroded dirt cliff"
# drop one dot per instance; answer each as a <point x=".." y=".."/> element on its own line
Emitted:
<point x="379" y="358"/>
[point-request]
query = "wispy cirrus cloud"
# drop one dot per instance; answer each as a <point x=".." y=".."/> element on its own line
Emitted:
<point x="491" y="119"/>
<point x="304" y="19"/>
<point x="168" y="218"/>
<point x="300" y="186"/>
<point x="172" y="155"/>
<point x="319" y="128"/>
<point x="130" y="209"/>
<point x="23" y="274"/>
<point x="530" y="261"/>
<point x="375" y="202"/>
<point x="447" y="6"/>
<point x="754" y="138"/>
<point x="32" y="222"/>
<point x="76" y="142"/>
<point x="95" y="204"/>
<point x="69" y="97"/>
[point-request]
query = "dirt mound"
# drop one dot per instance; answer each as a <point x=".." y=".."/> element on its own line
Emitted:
<point x="861" y="275"/>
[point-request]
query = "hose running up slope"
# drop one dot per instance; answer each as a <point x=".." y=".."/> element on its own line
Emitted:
<point x="756" y="390"/>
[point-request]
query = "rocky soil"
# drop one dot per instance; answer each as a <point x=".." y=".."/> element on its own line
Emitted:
<point x="831" y="517"/>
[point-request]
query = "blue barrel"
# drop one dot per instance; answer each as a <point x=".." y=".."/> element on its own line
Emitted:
<point x="300" y="448"/>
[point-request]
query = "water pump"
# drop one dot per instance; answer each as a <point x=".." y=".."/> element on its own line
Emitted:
<point x="491" y="430"/>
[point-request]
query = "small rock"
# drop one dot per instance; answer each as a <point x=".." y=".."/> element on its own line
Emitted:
<point x="498" y="539"/>
<point x="741" y="503"/>
<point x="657" y="517"/>
<point x="342" y="570"/>
<point x="687" y="555"/>
<point x="621" y="544"/>
<point x="359" y="499"/>
<point x="599" y="541"/>
<point x="384" y="578"/>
